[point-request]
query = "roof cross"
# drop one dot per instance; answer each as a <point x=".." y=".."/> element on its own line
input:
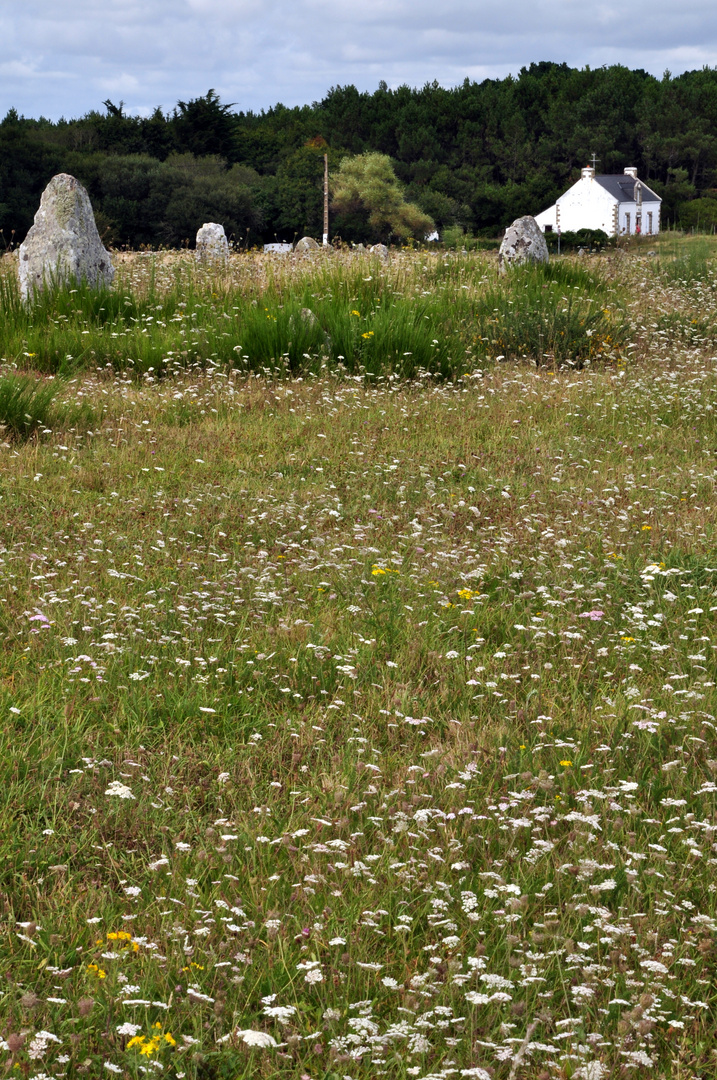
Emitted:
<point x="595" y="160"/>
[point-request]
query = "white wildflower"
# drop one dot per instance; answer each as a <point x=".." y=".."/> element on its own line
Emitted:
<point x="129" y="1029"/>
<point x="654" y="966"/>
<point x="282" y="1013"/>
<point x="38" y="1046"/>
<point x="120" y="791"/>
<point x="594" y="1070"/>
<point x="256" y="1038"/>
<point x="496" y="981"/>
<point x="637" y="1057"/>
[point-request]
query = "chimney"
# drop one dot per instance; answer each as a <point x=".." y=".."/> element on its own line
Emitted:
<point x="630" y="170"/>
<point x="587" y="174"/>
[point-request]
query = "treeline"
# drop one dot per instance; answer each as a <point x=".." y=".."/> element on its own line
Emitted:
<point x="475" y="156"/>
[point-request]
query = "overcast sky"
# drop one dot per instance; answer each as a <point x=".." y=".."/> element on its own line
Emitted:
<point x="64" y="59"/>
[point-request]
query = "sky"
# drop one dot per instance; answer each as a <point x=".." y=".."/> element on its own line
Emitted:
<point x="63" y="59"/>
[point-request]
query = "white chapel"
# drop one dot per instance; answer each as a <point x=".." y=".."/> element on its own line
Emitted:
<point x="619" y="205"/>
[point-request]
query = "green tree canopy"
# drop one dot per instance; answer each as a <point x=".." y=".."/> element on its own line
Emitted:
<point x="366" y="191"/>
<point x="476" y="155"/>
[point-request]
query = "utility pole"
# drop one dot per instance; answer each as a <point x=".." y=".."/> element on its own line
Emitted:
<point x="326" y="200"/>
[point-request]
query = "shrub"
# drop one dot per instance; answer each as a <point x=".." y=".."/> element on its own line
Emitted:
<point x="592" y="239"/>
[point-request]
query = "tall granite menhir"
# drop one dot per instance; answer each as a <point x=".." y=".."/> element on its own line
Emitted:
<point x="523" y="242"/>
<point x="63" y="244"/>
<point x="212" y="244"/>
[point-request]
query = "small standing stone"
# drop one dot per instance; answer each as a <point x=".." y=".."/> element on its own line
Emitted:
<point x="523" y="242"/>
<point x="381" y="250"/>
<point x="307" y="243"/>
<point x="212" y="245"/>
<point x="64" y="243"/>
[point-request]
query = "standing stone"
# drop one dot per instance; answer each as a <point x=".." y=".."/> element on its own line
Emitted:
<point x="381" y="250"/>
<point x="64" y="243"/>
<point x="307" y="243"/>
<point x="212" y="243"/>
<point x="523" y="242"/>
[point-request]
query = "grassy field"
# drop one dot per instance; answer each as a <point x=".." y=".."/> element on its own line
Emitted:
<point x="418" y="314"/>
<point x="356" y="726"/>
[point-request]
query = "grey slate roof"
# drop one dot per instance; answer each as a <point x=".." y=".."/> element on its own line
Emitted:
<point x="622" y="188"/>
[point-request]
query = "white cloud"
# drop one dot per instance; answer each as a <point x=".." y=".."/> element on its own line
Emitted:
<point x="257" y="52"/>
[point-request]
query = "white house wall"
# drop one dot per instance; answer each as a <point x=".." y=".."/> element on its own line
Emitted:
<point x="586" y="205"/>
<point x="628" y="214"/>
<point x="654" y="209"/>
<point x="548" y="217"/>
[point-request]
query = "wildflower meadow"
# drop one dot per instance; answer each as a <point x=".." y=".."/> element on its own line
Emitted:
<point x="358" y="670"/>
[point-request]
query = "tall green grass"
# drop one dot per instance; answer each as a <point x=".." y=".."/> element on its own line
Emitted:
<point x="363" y="317"/>
<point x="25" y="405"/>
<point x="556" y="314"/>
<point x="688" y="262"/>
<point x="29" y="405"/>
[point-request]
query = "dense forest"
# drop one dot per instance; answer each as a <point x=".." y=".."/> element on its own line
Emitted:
<point x="475" y="156"/>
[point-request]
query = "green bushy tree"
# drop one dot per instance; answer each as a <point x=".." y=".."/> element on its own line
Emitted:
<point x="370" y="202"/>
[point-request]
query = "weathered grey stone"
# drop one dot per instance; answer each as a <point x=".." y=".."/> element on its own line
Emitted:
<point x="64" y="243"/>
<point x="381" y="250"/>
<point x="307" y="243"/>
<point x="308" y="317"/>
<point x="212" y="245"/>
<point x="523" y="242"/>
